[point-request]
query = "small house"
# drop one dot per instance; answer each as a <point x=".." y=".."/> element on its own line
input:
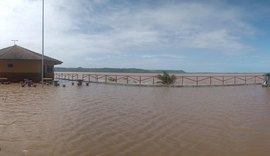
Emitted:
<point x="18" y="63"/>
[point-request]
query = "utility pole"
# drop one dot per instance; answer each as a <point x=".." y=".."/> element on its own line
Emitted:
<point x="42" y="60"/>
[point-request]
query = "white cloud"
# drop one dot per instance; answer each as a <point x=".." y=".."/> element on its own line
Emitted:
<point x="161" y="57"/>
<point x="187" y="25"/>
<point x="76" y="30"/>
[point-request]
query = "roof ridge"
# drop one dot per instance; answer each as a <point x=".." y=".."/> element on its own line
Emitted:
<point x="37" y="54"/>
<point x="8" y="49"/>
<point x="18" y="52"/>
<point x="30" y="51"/>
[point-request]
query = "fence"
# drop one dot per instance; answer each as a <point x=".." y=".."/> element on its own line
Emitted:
<point x="152" y="80"/>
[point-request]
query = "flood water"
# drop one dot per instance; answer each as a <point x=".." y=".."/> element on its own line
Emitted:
<point x="108" y="120"/>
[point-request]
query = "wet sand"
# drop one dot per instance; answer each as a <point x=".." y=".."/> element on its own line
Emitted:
<point x="108" y="120"/>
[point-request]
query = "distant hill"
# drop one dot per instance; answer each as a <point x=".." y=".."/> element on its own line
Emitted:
<point x="114" y="70"/>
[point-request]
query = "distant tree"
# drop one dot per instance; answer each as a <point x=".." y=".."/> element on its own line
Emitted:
<point x="166" y="79"/>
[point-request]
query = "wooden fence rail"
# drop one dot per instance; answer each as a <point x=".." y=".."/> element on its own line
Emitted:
<point x="152" y="80"/>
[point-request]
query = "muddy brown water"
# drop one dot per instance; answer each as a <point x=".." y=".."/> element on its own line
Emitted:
<point x="108" y="120"/>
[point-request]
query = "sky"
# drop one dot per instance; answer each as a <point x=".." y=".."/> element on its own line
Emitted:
<point x="189" y="35"/>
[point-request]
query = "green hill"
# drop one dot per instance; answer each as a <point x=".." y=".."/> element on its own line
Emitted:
<point x="114" y="70"/>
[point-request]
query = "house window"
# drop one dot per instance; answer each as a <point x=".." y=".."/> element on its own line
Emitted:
<point x="10" y="65"/>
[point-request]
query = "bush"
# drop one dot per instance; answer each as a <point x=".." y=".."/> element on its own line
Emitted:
<point x="166" y="79"/>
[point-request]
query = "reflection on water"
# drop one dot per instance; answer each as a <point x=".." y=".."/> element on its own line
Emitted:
<point x="107" y="120"/>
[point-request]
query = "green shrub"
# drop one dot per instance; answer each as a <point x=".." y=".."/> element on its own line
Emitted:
<point x="166" y="79"/>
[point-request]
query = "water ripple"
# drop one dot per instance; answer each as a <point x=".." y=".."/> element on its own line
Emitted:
<point x="103" y="120"/>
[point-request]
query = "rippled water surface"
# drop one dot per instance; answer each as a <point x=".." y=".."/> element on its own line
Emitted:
<point x="108" y="120"/>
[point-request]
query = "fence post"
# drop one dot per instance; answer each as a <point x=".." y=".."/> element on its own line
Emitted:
<point x="97" y="77"/>
<point x="223" y="80"/>
<point x="245" y="79"/>
<point x="115" y="78"/>
<point x="153" y="80"/>
<point x="105" y="78"/>
<point x="127" y="79"/>
<point x="89" y="77"/>
<point x="182" y="80"/>
<point x="197" y="81"/>
<point x="234" y="80"/>
<point x="210" y="80"/>
<point x="140" y="80"/>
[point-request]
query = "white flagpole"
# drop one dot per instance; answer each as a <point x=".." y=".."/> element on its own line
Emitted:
<point x="42" y="60"/>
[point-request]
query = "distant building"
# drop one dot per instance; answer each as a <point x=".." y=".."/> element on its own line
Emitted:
<point x="18" y="63"/>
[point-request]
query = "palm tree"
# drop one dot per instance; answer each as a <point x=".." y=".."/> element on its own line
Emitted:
<point x="166" y="79"/>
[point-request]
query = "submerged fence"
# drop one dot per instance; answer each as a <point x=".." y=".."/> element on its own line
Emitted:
<point x="152" y="80"/>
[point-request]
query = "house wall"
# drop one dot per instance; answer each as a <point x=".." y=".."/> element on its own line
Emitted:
<point x="17" y="71"/>
<point x="20" y="67"/>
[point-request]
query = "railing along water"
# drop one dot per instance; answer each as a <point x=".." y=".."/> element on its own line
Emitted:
<point x="152" y="80"/>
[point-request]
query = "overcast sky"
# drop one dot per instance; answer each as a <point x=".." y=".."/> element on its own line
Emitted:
<point x="192" y="35"/>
